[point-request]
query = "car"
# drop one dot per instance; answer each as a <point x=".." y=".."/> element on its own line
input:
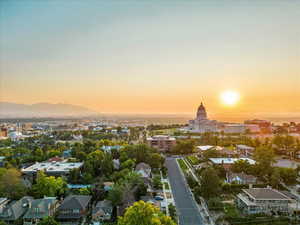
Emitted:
<point x="158" y="198"/>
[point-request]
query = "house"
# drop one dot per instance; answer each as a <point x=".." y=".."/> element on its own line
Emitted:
<point x="203" y="148"/>
<point x="143" y="169"/>
<point x="12" y="211"/>
<point x="52" y="168"/>
<point x="228" y="153"/>
<point x="55" y="159"/>
<point x="240" y="178"/>
<point x="102" y="211"/>
<point x="40" y="208"/>
<point x="74" y="209"/>
<point x="262" y="200"/>
<point x="228" y="162"/>
<point x="245" y="150"/>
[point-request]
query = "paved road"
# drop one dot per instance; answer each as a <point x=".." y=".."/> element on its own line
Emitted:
<point x="185" y="204"/>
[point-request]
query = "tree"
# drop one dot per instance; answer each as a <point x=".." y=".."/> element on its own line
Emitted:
<point x="48" y="221"/>
<point x="2" y="222"/>
<point x="48" y="186"/>
<point x="275" y="179"/>
<point x="156" y="160"/>
<point x="241" y="166"/>
<point x="210" y="183"/>
<point x="172" y="211"/>
<point x="184" y="147"/>
<point x="129" y="164"/>
<point x="115" y="195"/>
<point x="288" y="175"/>
<point x="157" y="182"/>
<point x="141" y="213"/>
<point x="211" y="153"/>
<point x="264" y="157"/>
<point x="11" y="185"/>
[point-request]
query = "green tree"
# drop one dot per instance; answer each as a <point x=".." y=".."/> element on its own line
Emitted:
<point x="115" y="195"/>
<point x="241" y="166"/>
<point x="141" y="213"/>
<point x="210" y="183"/>
<point x="156" y="160"/>
<point x="184" y="147"/>
<point x="157" y="184"/>
<point x="48" y="186"/>
<point x="129" y="164"/>
<point x="48" y="221"/>
<point x="275" y="179"/>
<point x="11" y="185"/>
<point x="265" y="158"/>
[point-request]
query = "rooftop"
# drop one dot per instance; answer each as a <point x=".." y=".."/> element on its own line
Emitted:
<point x="266" y="194"/>
<point x="52" y="167"/>
<point x="230" y="160"/>
<point x="161" y="137"/>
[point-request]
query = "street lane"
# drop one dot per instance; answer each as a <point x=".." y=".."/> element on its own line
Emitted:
<point x="185" y="204"/>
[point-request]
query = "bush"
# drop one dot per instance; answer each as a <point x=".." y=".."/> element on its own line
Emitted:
<point x="215" y="203"/>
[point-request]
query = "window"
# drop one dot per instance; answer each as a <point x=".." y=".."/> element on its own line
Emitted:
<point x="76" y="210"/>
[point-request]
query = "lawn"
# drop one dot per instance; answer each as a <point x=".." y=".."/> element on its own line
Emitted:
<point x="193" y="159"/>
<point x="182" y="164"/>
<point x="166" y="185"/>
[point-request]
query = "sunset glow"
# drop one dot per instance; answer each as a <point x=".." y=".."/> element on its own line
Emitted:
<point x="142" y="57"/>
<point x="230" y="97"/>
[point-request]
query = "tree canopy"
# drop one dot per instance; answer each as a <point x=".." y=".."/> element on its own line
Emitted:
<point x="141" y="213"/>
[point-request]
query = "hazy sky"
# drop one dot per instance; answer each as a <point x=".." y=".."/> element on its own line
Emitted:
<point x="152" y="56"/>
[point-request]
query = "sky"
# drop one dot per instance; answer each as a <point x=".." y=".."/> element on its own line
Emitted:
<point x="152" y="56"/>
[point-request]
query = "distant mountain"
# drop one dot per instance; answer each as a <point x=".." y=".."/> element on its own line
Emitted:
<point x="14" y="110"/>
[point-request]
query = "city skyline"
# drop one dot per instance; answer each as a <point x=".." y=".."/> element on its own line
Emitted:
<point x="138" y="57"/>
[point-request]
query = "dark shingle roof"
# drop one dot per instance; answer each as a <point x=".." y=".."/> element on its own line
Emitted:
<point x="266" y="193"/>
<point x="40" y="208"/>
<point x="75" y="202"/>
<point x="15" y="209"/>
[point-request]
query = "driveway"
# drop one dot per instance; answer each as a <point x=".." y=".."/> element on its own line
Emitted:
<point x="186" y="206"/>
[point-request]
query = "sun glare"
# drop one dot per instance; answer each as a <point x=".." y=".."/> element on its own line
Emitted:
<point x="230" y="97"/>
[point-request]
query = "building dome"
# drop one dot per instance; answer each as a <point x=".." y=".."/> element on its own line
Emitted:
<point x="201" y="113"/>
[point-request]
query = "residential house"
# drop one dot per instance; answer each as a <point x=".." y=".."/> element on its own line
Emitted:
<point x="245" y="150"/>
<point x="51" y="168"/>
<point x="228" y="162"/>
<point x="102" y="211"/>
<point x="14" y="210"/>
<point x="40" y="208"/>
<point x="262" y="200"/>
<point x="74" y="209"/>
<point x="240" y="178"/>
<point x="143" y="169"/>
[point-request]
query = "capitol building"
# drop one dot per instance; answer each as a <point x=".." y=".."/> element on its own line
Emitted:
<point x="201" y="123"/>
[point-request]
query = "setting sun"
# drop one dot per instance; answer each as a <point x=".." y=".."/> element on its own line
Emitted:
<point x="230" y="97"/>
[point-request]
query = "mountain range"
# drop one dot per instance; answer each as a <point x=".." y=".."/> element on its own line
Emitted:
<point x="14" y="110"/>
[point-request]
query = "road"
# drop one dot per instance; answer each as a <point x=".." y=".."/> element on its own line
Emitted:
<point x="186" y="206"/>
